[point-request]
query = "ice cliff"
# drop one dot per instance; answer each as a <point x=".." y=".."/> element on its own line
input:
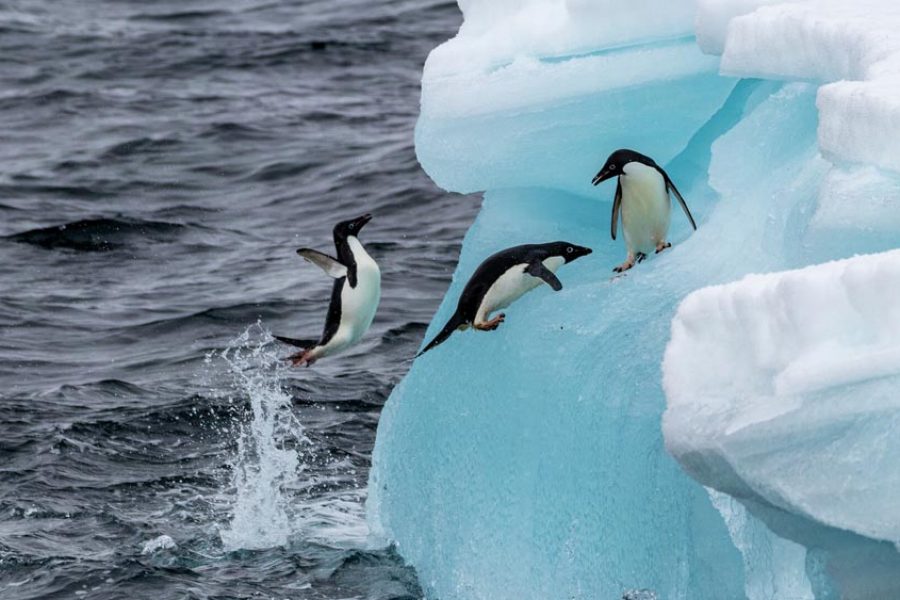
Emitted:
<point x="531" y="462"/>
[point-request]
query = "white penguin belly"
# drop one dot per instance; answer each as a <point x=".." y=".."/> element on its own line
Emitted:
<point x="358" y="304"/>
<point x="646" y="209"/>
<point x="511" y="286"/>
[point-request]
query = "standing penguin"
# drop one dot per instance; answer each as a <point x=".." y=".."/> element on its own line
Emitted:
<point x="501" y="280"/>
<point x="354" y="297"/>
<point x="642" y="196"/>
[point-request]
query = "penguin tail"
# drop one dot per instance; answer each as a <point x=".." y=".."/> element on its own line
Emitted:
<point x="452" y="325"/>
<point x="305" y="344"/>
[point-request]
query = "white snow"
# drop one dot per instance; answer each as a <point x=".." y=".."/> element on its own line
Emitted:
<point x="496" y="32"/>
<point x="551" y="77"/>
<point x="530" y="81"/>
<point x="551" y="123"/>
<point x="713" y="17"/>
<point x="811" y="356"/>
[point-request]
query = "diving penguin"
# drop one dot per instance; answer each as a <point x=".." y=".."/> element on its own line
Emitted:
<point x="501" y="280"/>
<point x="642" y="197"/>
<point x="354" y="297"/>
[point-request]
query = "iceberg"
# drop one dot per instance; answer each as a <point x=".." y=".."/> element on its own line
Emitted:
<point x="531" y="462"/>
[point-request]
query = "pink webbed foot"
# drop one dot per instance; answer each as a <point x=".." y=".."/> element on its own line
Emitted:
<point x="629" y="262"/>
<point x="492" y="324"/>
<point x="662" y="246"/>
<point x="301" y="358"/>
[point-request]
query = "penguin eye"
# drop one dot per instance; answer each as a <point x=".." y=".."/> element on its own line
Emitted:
<point x="352" y="225"/>
<point x="612" y="166"/>
<point x="570" y="249"/>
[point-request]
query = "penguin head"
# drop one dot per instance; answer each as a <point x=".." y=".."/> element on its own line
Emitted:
<point x="567" y="250"/>
<point x="616" y="163"/>
<point x="345" y="229"/>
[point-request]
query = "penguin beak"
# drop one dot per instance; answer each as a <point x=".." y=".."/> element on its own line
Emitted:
<point x="582" y="251"/>
<point x="602" y="176"/>
<point x="574" y="252"/>
<point x="361" y="221"/>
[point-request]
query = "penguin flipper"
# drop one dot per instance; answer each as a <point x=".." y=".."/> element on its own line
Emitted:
<point x="537" y="269"/>
<point x="331" y="266"/>
<point x="670" y="187"/>
<point x="617" y="206"/>
<point x="295" y="342"/>
<point x="452" y="325"/>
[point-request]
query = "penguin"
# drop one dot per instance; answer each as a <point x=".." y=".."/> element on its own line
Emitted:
<point x="354" y="296"/>
<point x="642" y="197"/>
<point x="502" y="279"/>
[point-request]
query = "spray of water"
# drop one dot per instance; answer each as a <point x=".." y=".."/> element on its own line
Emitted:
<point x="269" y="444"/>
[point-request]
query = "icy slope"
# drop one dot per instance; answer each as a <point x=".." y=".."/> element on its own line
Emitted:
<point x="530" y="463"/>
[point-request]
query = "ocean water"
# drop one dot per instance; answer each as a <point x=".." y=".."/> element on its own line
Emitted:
<point x="159" y="164"/>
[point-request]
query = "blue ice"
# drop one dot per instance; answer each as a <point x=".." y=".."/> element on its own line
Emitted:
<point x="530" y="462"/>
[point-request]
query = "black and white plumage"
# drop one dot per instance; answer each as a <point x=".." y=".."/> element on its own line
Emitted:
<point x="642" y="200"/>
<point x="501" y="280"/>
<point x="354" y="296"/>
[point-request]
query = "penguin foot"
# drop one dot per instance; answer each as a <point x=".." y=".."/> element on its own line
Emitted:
<point x="640" y="256"/>
<point x="301" y="358"/>
<point x="663" y="246"/>
<point x="492" y="324"/>
<point x="624" y="266"/>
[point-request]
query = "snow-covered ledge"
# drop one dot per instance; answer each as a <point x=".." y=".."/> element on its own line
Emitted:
<point x="783" y="391"/>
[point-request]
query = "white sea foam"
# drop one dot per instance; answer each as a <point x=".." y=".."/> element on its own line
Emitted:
<point x="267" y="459"/>
<point x="163" y="542"/>
<point x="273" y="492"/>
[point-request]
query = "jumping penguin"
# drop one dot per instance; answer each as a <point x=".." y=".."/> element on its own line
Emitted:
<point x="501" y="280"/>
<point x="354" y="297"/>
<point x="642" y="196"/>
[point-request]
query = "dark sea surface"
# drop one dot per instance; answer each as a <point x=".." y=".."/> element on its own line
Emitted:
<point x="159" y="164"/>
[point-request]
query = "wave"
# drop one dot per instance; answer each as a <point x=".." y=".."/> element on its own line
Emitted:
<point x="408" y="332"/>
<point x="23" y="185"/>
<point x="280" y="170"/>
<point x="142" y="145"/>
<point x="97" y="235"/>
<point x="186" y="15"/>
<point x="230" y="131"/>
<point x="42" y="98"/>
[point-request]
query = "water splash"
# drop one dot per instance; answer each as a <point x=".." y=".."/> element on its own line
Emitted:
<point x="269" y="445"/>
<point x="163" y="542"/>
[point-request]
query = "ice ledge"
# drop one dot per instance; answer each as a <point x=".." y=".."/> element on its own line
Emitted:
<point x="781" y="390"/>
<point x="851" y="45"/>
<point x="499" y="32"/>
